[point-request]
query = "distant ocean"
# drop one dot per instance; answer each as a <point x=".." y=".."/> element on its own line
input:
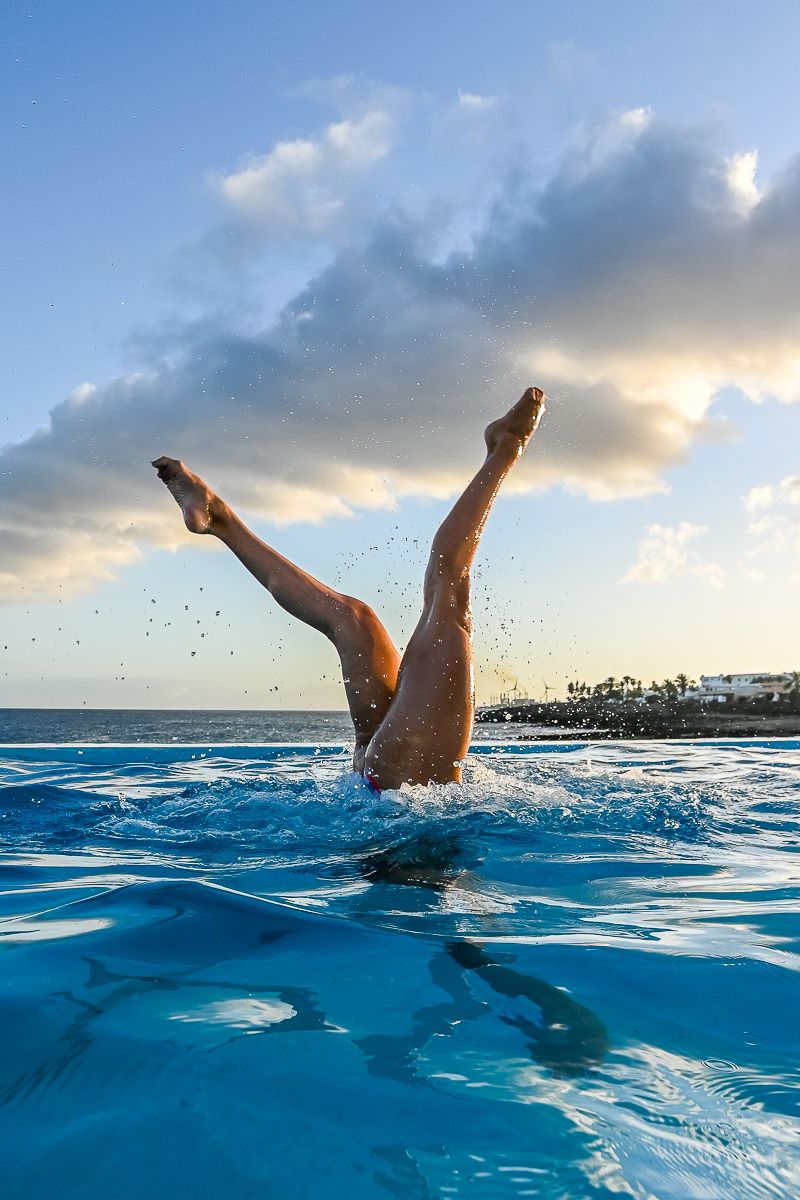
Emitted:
<point x="213" y="727"/>
<point x="168" y="725"/>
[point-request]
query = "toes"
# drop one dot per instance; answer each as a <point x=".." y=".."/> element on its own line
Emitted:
<point x="167" y="468"/>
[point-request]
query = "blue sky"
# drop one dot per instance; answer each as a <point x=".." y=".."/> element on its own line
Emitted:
<point x="434" y="205"/>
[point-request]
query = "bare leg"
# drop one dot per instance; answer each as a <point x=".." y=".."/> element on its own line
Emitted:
<point x="427" y="728"/>
<point x="369" y="659"/>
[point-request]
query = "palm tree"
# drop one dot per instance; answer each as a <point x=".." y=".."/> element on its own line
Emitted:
<point x="684" y="682"/>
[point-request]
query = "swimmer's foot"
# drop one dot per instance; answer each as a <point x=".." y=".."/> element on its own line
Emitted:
<point x="202" y="509"/>
<point x="514" y="430"/>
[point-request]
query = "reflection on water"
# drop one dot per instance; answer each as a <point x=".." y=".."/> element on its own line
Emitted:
<point x="252" y="1016"/>
<point x="238" y="975"/>
<point x="568" y="1039"/>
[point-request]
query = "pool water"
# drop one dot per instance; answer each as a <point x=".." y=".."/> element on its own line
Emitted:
<point x="234" y="972"/>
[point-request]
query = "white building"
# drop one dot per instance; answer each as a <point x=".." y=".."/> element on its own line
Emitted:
<point x="741" y="687"/>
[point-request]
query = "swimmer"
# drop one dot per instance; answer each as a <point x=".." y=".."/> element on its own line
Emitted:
<point x="413" y="715"/>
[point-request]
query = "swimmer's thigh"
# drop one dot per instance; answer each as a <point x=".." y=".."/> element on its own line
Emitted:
<point x="425" y="734"/>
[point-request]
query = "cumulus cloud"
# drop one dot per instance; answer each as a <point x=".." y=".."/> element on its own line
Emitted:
<point x="664" y="553"/>
<point x="773" y="520"/>
<point x="646" y="273"/>
<point x="301" y="185"/>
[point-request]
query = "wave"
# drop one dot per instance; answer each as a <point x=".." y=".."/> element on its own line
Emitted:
<point x="264" y="815"/>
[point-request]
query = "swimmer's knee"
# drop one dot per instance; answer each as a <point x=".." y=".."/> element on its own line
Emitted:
<point x="355" y="616"/>
<point x="359" y="611"/>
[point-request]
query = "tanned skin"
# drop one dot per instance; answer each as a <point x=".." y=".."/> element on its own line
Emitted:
<point x="413" y="714"/>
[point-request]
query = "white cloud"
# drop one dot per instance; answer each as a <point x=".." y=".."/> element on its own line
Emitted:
<point x="741" y="175"/>
<point x="758" y="498"/>
<point x="82" y="392"/>
<point x="302" y="185"/>
<point x="711" y="573"/>
<point x="632" y="285"/>
<point x="474" y="102"/>
<point x="773" y="522"/>
<point x="664" y="553"/>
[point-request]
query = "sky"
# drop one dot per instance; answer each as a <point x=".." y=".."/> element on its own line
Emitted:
<point x="312" y="249"/>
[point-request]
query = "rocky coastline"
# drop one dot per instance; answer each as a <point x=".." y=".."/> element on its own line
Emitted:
<point x="602" y="719"/>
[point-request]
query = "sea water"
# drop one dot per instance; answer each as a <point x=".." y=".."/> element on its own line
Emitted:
<point x="233" y="971"/>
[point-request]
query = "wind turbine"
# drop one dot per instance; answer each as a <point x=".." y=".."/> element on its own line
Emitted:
<point x="547" y="689"/>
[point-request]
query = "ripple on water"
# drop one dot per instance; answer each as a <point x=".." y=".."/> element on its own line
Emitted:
<point x="574" y="976"/>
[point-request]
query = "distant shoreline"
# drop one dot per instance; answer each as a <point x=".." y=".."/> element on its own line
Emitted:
<point x="592" y="720"/>
<point x="605" y="720"/>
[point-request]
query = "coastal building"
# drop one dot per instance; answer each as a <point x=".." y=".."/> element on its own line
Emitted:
<point x="752" y="685"/>
<point x="719" y="688"/>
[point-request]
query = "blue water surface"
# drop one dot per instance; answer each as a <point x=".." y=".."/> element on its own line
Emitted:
<point x="232" y="971"/>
